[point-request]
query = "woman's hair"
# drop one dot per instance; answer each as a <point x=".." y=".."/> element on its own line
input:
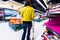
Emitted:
<point x="27" y="3"/>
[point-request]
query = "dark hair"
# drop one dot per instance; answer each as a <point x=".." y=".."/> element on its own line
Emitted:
<point x="27" y="3"/>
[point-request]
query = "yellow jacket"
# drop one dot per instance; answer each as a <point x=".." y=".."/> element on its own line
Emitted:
<point x="27" y="13"/>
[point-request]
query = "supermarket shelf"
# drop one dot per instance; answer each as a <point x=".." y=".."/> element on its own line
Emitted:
<point x="54" y="32"/>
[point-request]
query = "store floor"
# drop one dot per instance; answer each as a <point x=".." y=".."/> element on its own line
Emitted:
<point x="7" y="33"/>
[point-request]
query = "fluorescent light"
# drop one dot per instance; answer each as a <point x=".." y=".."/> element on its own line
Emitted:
<point x="45" y="1"/>
<point x="41" y="4"/>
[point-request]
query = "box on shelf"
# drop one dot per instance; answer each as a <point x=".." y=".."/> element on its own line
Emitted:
<point x="15" y="24"/>
<point x="15" y="21"/>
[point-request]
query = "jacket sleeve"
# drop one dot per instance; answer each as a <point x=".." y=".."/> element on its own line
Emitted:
<point x="32" y="14"/>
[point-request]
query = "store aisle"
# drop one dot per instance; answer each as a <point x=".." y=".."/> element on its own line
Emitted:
<point x="7" y="33"/>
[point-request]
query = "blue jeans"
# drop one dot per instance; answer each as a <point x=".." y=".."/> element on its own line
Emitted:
<point x="25" y="26"/>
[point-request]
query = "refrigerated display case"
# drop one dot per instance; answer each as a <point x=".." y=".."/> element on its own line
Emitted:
<point x="6" y="13"/>
<point x="1" y="14"/>
<point x="15" y="24"/>
<point x="9" y="13"/>
<point x="12" y="16"/>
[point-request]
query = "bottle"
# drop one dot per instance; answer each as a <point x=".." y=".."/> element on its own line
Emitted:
<point x="39" y="18"/>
